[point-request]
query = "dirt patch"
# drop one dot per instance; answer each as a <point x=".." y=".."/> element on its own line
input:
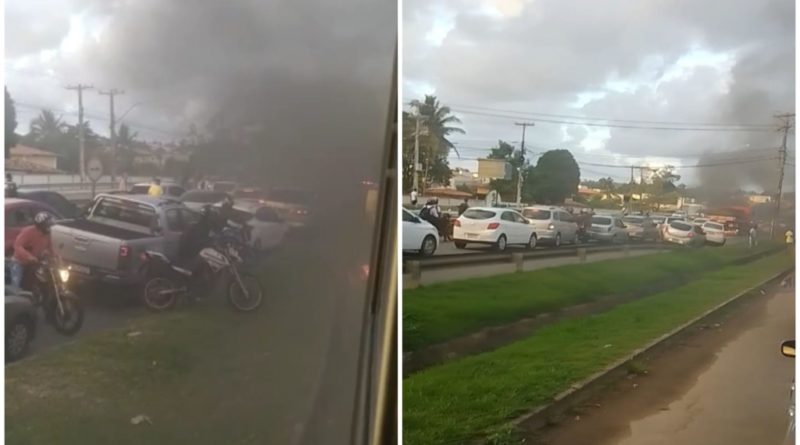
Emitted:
<point x="491" y="338"/>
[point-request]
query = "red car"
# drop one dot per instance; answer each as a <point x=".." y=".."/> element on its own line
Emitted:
<point x="19" y="214"/>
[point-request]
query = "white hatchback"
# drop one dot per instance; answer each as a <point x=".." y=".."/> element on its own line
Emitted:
<point x="419" y="235"/>
<point x="715" y="233"/>
<point x="268" y="229"/>
<point x="498" y="227"/>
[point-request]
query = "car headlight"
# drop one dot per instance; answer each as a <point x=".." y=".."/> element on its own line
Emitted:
<point x="64" y="275"/>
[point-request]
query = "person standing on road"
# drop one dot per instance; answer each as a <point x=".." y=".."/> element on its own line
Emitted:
<point x="752" y="240"/>
<point x="790" y="241"/>
<point x="414" y="197"/>
<point x="463" y="206"/>
<point x="155" y="189"/>
<point x="123" y="182"/>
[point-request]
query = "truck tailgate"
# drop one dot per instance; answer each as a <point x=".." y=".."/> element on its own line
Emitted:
<point x="88" y="243"/>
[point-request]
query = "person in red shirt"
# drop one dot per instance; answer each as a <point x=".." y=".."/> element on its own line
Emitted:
<point x="30" y="246"/>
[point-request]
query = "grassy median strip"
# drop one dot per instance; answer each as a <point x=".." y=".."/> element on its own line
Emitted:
<point x="476" y="396"/>
<point x="434" y="314"/>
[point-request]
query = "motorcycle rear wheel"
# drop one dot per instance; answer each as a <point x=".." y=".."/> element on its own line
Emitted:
<point x="160" y="294"/>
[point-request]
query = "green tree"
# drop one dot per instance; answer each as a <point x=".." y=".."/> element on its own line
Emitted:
<point x="555" y="177"/>
<point x="507" y="187"/>
<point x="606" y="185"/>
<point x="126" y="141"/>
<point x="439" y="122"/>
<point x="11" y="124"/>
<point x="46" y="127"/>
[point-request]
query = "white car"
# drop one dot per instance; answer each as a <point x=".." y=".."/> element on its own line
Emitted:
<point x="685" y="234"/>
<point x="552" y="224"/>
<point x="715" y="233"/>
<point x="197" y="199"/>
<point x="418" y="235"/>
<point x="267" y="228"/>
<point x="498" y="227"/>
<point x="607" y="228"/>
<point x="699" y="221"/>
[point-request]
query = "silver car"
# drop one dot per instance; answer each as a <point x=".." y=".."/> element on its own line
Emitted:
<point x="608" y="228"/>
<point x="641" y="228"/>
<point x="684" y="233"/>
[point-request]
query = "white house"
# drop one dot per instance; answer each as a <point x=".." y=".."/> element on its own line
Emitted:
<point x="24" y="155"/>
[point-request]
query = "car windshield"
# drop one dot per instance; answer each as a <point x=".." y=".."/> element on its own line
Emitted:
<point x="601" y="221"/>
<point x="537" y="214"/>
<point x="127" y="212"/>
<point x="478" y="214"/>
<point x="633" y="220"/>
<point x="681" y="226"/>
<point x="713" y="226"/>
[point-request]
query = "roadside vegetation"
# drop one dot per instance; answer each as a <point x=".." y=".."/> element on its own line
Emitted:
<point x="437" y="313"/>
<point x="477" y="396"/>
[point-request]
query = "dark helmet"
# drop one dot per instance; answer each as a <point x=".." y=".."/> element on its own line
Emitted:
<point x="43" y="221"/>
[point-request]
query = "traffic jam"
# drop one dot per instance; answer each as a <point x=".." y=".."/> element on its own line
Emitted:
<point x="498" y="228"/>
<point x="169" y="244"/>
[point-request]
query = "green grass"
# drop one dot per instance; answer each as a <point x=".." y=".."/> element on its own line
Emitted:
<point x="477" y="396"/>
<point x="436" y="313"/>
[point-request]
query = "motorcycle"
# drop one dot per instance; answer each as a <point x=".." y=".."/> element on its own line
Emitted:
<point x="788" y="350"/>
<point x="61" y="307"/>
<point x="166" y="282"/>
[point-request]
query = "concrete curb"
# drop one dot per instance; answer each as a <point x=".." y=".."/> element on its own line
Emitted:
<point x="583" y="390"/>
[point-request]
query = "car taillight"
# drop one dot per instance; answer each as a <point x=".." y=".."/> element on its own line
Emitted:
<point x="690" y="235"/>
<point x="457" y="223"/>
<point x="493" y="226"/>
<point x="124" y="251"/>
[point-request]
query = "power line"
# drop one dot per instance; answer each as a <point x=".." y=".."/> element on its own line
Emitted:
<point x="631" y="121"/>
<point x="621" y="126"/>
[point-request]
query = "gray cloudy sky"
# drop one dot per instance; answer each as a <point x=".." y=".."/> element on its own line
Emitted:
<point x="662" y="60"/>
<point x="317" y="69"/>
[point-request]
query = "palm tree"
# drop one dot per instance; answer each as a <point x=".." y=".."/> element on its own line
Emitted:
<point x="439" y="122"/>
<point x="47" y="127"/>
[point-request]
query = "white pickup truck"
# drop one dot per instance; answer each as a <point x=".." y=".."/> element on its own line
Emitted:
<point x="107" y="243"/>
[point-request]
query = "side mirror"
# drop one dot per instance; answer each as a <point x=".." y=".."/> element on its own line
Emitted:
<point x="787" y="348"/>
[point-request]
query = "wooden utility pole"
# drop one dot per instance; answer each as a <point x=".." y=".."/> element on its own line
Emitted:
<point x="79" y="88"/>
<point x="787" y="123"/>
<point x="112" y="128"/>
<point x="524" y="126"/>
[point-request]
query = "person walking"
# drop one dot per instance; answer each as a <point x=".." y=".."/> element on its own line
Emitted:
<point x="752" y="240"/>
<point x="414" y="197"/>
<point x="155" y="189"/>
<point x="789" y="235"/>
<point x="463" y="206"/>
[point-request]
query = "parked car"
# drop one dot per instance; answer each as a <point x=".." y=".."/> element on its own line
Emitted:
<point x="224" y="186"/>
<point x="715" y="233"/>
<point x="249" y="193"/>
<point x="699" y="221"/>
<point x="419" y="235"/>
<point x="498" y="227"/>
<point x="293" y="205"/>
<point x="106" y="245"/>
<point x="19" y="215"/>
<point x="197" y="199"/>
<point x="20" y="323"/>
<point x="552" y="224"/>
<point x="57" y="201"/>
<point x="608" y="228"/>
<point x="641" y="228"/>
<point x="685" y="234"/>
<point x="267" y="228"/>
<point x="170" y="189"/>
<point x="669" y="220"/>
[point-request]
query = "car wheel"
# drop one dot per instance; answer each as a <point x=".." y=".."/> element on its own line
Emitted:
<point x="460" y="244"/>
<point x="18" y="337"/>
<point x="532" y="242"/>
<point x="428" y="246"/>
<point x="558" y="240"/>
<point x="501" y="244"/>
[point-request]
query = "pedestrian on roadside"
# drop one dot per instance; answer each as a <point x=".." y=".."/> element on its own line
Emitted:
<point x="790" y="241"/>
<point x="463" y="206"/>
<point x="414" y="197"/>
<point x="155" y="189"/>
<point x="751" y="236"/>
<point x="123" y="182"/>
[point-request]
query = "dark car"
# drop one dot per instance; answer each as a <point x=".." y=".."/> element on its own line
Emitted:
<point x="20" y="323"/>
<point x="55" y="200"/>
<point x="19" y="215"/>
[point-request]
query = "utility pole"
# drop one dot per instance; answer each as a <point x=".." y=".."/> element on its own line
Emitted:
<point x="80" y="87"/>
<point x="112" y="127"/>
<point x="524" y="126"/>
<point x="787" y="123"/>
<point x="415" y="183"/>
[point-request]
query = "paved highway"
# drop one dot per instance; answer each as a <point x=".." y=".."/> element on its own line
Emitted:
<point x="726" y="385"/>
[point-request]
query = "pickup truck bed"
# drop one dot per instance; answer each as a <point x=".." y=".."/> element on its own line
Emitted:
<point x="103" y="229"/>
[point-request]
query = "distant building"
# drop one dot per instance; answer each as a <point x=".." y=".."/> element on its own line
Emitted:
<point x="759" y="199"/>
<point x="24" y="158"/>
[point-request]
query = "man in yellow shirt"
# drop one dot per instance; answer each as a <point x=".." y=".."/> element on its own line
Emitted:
<point x="155" y="189"/>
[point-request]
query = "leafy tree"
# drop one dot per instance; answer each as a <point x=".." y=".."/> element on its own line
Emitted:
<point x="440" y="124"/>
<point x="507" y="187"/>
<point x="46" y="127"/>
<point x="11" y="124"/>
<point x="606" y="185"/>
<point x="555" y="178"/>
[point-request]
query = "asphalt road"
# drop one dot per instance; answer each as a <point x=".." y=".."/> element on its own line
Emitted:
<point x="432" y="276"/>
<point x="729" y="384"/>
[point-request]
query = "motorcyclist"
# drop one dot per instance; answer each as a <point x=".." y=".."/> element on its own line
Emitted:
<point x="30" y="246"/>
